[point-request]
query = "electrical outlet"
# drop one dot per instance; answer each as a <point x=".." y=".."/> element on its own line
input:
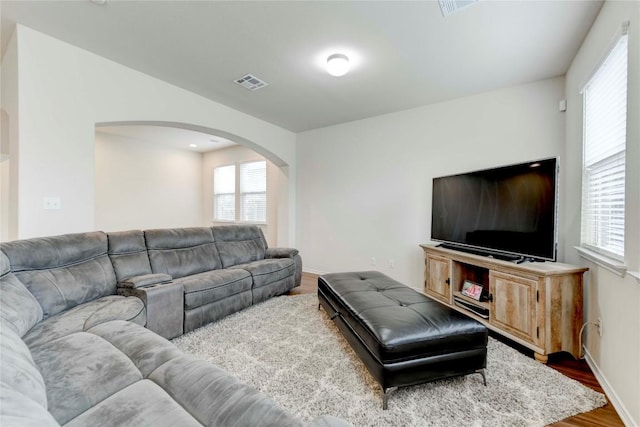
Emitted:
<point x="392" y="264"/>
<point x="373" y="261"/>
<point x="600" y="326"/>
<point x="51" y="203"/>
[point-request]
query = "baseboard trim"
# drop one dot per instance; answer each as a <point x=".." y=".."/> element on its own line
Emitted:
<point x="611" y="394"/>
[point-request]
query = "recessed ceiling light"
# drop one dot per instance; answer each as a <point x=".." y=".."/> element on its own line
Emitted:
<point x="193" y="145"/>
<point x="338" y="64"/>
<point x="99" y="2"/>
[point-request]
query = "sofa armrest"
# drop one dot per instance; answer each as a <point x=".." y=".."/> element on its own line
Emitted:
<point x="280" y="253"/>
<point x="144" y="281"/>
<point x="287" y="253"/>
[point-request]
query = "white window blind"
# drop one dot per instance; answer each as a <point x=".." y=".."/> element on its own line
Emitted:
<point x="253" y="191"/>
<point x="224" y="193"/>
<point x="605" y="125"/>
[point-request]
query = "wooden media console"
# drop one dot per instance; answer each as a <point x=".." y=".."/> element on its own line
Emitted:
<point x="536" y="304"/>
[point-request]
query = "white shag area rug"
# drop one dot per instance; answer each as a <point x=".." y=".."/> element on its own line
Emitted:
<point x="291" y="351"/>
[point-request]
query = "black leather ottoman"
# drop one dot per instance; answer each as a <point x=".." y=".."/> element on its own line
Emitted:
<point x="402" y="336"/>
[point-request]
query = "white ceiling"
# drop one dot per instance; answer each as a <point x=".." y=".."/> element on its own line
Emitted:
<point x="404" y="54"/>
<point x="169" y="136"/>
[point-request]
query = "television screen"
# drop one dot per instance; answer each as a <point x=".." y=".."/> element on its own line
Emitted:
<point x="508" y="210"/>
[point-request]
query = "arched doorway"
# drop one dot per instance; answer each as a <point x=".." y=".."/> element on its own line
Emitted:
<point x="147" y="176"/>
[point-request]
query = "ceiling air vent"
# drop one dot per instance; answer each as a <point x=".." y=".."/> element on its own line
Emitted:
<point x="451" y="6"/>
<point x="251" y="82"/>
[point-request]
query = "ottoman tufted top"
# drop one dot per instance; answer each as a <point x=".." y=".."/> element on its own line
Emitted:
<point x="396" y="322"/>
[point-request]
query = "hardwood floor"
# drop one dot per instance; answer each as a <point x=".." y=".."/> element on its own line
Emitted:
<point x="562" y="362"/>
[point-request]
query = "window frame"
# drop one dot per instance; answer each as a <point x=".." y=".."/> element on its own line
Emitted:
<point x="610" y="260"/>
<point x="238" y="194"/>
<point x="241" y="214"/>
<point x="235" y="187"/>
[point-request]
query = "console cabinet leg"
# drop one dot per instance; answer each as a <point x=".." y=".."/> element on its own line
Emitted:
<point x="542" y="358"/>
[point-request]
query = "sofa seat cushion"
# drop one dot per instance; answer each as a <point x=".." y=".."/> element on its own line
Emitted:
<point x="81" y="370"/>
<point x="146" y="350"/>
<point x="267" y="271"/>
<point x="141" y="403"/>
<point x="192" y="382"/>
<point x="210" y="286"/>
<point x="118" y="373"/>
<point x="85" y="316"/>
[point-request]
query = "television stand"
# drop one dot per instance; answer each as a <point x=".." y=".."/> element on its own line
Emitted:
<point x="489" y="254"/>
<point x="523" y="259"/>
<point x="538" y="305"/>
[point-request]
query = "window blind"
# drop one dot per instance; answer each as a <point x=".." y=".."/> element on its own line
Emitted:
<point x="605" y="126"/>
<point x="224" y="193"/>
<point x="253" y="191"/>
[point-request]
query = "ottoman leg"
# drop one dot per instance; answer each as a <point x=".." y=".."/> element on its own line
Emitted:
<point x="385" y="396"/>
<point x="484" y="377"/>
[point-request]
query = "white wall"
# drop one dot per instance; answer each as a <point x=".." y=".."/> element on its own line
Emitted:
<point x="616" y="300"/>
<point x="364" y="188"/>
<point x="9" y="152"/>
<point x="64" y="91"/>
<point x="239" y="154"/>
<point x="142" y="185"/>
<point x="4" y="199"/>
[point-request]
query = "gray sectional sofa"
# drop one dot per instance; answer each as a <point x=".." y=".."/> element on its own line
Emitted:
<point x="216" y="270"/>
<point x="74" y="349"/>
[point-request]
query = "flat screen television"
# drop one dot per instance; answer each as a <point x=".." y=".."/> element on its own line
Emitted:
<point x="508" y="212"/>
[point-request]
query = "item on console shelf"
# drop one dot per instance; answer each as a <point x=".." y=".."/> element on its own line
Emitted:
<point x="472" y="290"/>
<point x="467" y="305"/>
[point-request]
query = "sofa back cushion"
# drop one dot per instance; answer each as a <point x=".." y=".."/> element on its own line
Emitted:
<point x="17" y="368"/>
<point x="239" y="244"/>
<point x="128" y="254"/>
<point x="19" y="309"/>
<point x="63" y="271"/>
<point x="23" y="396"/>
<point x="181" y="252"/>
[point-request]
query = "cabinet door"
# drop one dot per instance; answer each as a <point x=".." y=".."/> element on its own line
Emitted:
<point x="438" y="283"/>
<point x="514" y="305"/>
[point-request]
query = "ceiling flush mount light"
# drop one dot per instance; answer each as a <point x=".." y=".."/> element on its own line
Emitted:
<point x="338" y="64"/>
<point x="193" y="145"/>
